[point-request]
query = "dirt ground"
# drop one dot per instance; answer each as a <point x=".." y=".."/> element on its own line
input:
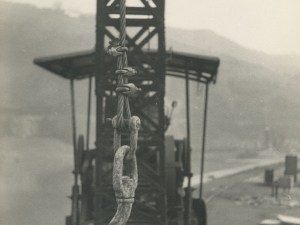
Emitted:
<point x="249" y="201"/>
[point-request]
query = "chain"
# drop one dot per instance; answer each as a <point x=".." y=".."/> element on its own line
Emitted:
<point x="124" y="184"/>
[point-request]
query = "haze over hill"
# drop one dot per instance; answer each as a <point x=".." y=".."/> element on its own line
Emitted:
<point x="253" y="90"/>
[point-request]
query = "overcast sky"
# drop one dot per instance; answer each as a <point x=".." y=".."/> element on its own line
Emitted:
<point x="271" y="26"/>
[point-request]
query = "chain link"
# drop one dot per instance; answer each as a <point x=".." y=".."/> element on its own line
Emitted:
<point x="124" y="184"/>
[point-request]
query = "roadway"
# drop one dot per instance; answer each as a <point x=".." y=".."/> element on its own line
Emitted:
<point x="241" y="197"/>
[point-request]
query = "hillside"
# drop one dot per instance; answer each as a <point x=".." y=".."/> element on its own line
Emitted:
<point x="210" y="43"/>
<point x="253" y="90"/>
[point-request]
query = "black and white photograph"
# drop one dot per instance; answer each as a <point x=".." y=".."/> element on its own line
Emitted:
<point x="149" y="112"/>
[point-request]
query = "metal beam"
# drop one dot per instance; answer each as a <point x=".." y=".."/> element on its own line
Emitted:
<point x="203" y="141"/>
<point x="100" y="70"/>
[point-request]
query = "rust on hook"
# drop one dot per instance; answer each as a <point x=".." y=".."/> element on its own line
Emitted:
<point x="125" y="184"/>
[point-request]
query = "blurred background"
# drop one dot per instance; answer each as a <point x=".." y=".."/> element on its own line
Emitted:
<point x="254" y="107"/>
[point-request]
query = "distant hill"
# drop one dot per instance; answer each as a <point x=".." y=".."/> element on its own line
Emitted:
<point x="208" y="42"/>
<point x="253" y="89"/>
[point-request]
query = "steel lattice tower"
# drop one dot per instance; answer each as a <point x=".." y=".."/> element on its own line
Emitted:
<point x="163" y="162"/>
<point x="147" y="22"/>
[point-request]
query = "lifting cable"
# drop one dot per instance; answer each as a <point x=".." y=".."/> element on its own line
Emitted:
<point x="124" y="184"/>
